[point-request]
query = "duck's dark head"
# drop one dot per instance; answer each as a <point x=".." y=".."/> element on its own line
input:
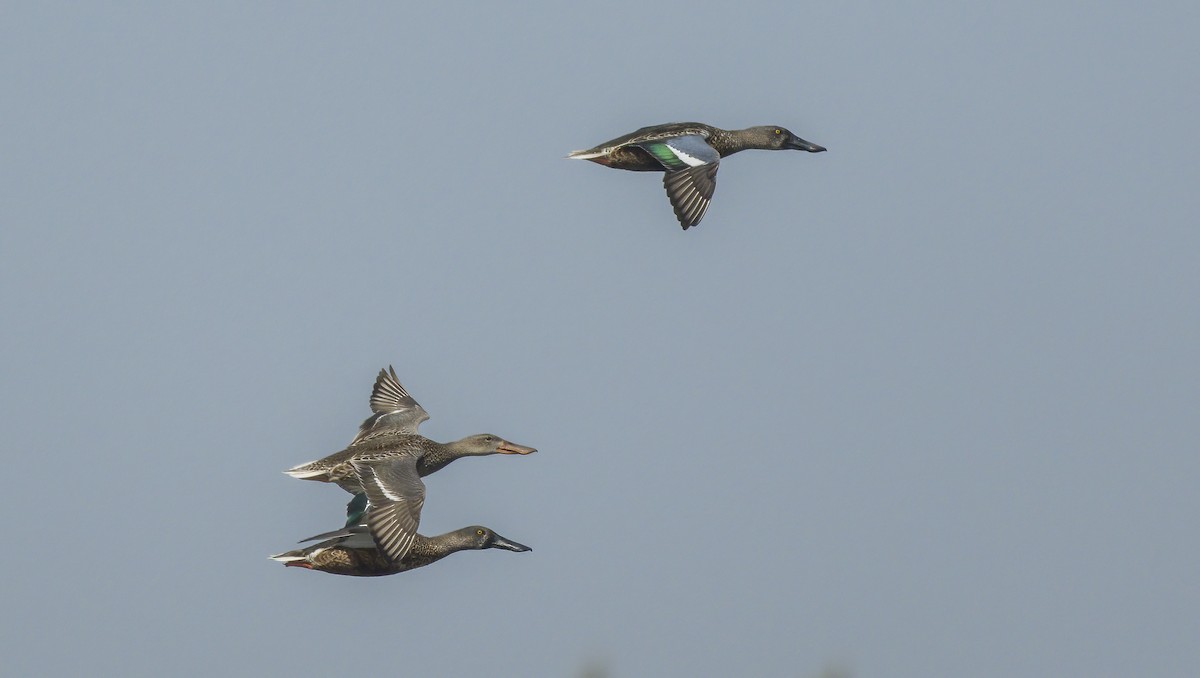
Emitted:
<point x="781" y="138"/>
<point x="485" y="538"/>
<point x="487" y="443"/>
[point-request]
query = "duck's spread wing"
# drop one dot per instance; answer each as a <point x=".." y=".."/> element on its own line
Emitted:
<point x="394" y="409"/>
<point x="680" y="152"/>
<point x="691" y="173"/>
<point x="690" y="190"/>
<point x="396" y="494"/>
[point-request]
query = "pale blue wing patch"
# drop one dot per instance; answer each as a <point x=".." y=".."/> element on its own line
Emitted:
<point x="681" y="152"/>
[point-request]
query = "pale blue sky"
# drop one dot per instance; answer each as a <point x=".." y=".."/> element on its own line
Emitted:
<point x="923" y="405"/>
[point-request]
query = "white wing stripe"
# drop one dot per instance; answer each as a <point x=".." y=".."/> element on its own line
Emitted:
<point x="691" y="161"/>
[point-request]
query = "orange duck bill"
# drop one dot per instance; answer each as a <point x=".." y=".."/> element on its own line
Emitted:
<point x="513" y="448"/>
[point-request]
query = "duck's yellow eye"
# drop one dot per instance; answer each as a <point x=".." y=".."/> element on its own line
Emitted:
<point x="778" y="132"/>
<point x="479" y="532"/>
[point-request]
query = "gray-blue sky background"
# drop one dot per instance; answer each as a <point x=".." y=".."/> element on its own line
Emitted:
<point x="923" y="405"/>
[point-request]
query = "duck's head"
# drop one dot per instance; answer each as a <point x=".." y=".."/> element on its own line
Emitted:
<point x="780" y="138"/>
<point x="487" y="443"/>
<point x="481" y="537"/>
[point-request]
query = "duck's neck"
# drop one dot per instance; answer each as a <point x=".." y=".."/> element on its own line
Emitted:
<point x="435" y="459"/>
<point x="728" y="141"/>
<point x="740" y="140"/>
<point x="438" y="455"/>
<point x="426" y="550"/>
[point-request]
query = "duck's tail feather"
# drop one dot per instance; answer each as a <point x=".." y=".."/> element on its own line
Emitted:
<point x="289" y="556"/>
<point x="304" y="472"/>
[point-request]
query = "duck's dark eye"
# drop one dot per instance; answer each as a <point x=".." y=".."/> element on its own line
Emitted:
<point x="479" y="532"/>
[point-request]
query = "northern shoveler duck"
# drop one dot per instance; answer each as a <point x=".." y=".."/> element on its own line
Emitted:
<point x="386" y="461"/>
<point x="353" y="552"/>
<point x="688" y="153"/>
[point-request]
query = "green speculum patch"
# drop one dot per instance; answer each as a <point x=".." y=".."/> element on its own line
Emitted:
<point x="666" y="156"/>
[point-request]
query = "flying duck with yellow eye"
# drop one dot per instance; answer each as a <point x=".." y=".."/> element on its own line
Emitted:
<point x="688" y="153"/>
<point x="352" y="551"/>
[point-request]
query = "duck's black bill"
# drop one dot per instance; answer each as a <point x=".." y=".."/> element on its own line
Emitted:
<point x="499" y="542"/>
<point x="798" y="144"/>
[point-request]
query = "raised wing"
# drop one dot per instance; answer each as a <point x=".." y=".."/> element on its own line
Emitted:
<point x="395" y="410"/>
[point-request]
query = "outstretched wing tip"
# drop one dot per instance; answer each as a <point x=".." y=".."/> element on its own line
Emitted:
<point x="690" y="191"/>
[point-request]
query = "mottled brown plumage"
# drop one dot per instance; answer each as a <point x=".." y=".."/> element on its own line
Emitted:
<point x="431" y="456"/>
<point x="352" y="554"/>
<point x="391" y="431"/>
<point x="385" y="462"/>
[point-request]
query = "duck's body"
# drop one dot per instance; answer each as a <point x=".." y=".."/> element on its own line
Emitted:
<point x="354" y="553"/>
<point x="386" y="461"/>
<point x="688" y="152"/>
<point x="391" y="431"/>
<point x="630" y="152"/>
<point x="430" y="456"/>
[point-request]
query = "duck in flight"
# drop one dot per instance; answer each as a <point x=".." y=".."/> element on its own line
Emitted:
<point x="688" y="153"/>
<point x="385" y="462"/>
<point x="352" y="551"/>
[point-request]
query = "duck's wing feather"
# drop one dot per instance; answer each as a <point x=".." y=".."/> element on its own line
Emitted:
<point x="691" y="174"/>
<point x="356" y="509"/>
<point x="665" y="131"/>
<point x="690" y="190"/>
<point x="358" y="536"/>
<point x="643" y="135"/>
<point x="394" y="409"/>
<point x="680" y="152"/>
<point x="396" y="494"/>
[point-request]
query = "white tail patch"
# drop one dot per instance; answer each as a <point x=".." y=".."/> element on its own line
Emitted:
<point x="286" y="558"/>
<point x="301" y="472"/>
<point x="584" y="155"/>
